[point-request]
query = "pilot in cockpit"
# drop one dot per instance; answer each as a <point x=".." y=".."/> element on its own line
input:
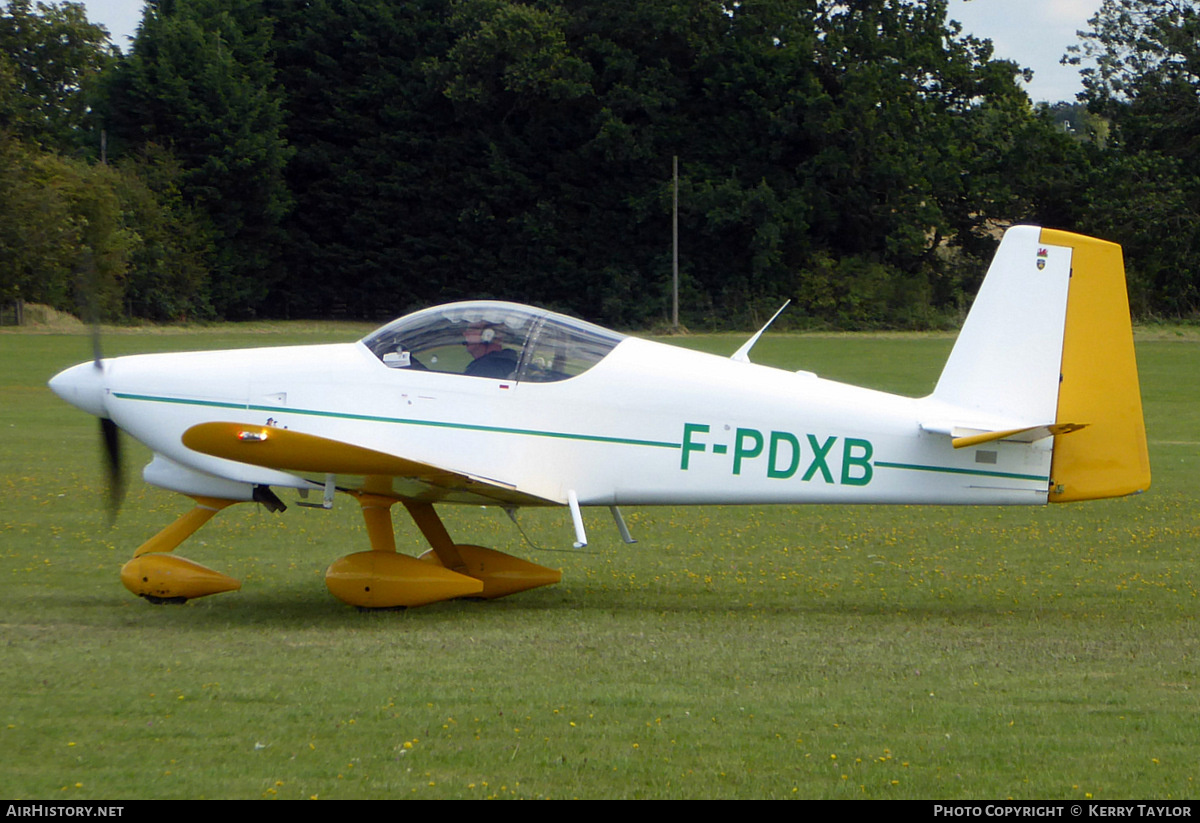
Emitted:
<point x="485" y="344"/>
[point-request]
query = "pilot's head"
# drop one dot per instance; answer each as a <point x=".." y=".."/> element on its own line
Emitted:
<point x="481" y="339"/>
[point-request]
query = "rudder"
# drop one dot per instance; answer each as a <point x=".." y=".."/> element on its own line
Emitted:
<point x="1099" y="381"/>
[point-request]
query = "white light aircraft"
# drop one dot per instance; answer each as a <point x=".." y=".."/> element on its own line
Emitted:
<point x="500" y="404"/>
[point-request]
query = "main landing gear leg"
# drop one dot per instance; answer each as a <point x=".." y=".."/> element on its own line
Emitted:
<point x="164" y="578"/>
<point x="501" y="573"/>
<point x="381" y="578"/>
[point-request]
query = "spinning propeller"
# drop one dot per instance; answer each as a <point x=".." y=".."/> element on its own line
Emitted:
<point x="110" y="434"/>
<point x="87" y="390"/>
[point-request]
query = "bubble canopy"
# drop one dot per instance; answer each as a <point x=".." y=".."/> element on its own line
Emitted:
<point x="491" y="339"/>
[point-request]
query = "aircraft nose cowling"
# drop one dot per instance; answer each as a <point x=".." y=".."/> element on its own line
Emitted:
<point x="83" y="387"/>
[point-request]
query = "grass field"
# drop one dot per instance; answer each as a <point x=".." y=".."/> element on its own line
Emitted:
<point x="733" y="652"/>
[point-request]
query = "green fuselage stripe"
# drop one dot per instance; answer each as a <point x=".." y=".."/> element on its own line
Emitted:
<point x="590" y="438"/>
<point x="438" y="424"/>
<point x="916" y="467"/>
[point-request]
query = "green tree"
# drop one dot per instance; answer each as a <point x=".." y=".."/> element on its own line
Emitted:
<point x="74" y="233"/>
<point x="200" y="82"/>
<point x="63" y="238"/>
<point x="1145" y="192"/>
<point x="51" y="57"/>
<point x="167" y="278"/>
<point x="378" y="163"/>
<point x="1146" y="72"/>
<point x="856" y="157"/>
<point x="37" y="241"/>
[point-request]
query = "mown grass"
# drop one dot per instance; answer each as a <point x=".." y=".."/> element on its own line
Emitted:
<point x="733" y="652"/>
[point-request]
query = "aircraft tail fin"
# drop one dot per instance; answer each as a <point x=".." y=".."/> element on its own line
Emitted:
<point x="1049" y="343"/>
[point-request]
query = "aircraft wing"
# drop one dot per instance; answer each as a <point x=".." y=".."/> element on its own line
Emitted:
<point x="354" y="467"/>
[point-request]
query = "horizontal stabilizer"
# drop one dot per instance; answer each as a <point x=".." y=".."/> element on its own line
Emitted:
<point x="962" y="438"/>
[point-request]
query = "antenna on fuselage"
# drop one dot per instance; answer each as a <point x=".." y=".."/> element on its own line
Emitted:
<point x="742" y="355"/>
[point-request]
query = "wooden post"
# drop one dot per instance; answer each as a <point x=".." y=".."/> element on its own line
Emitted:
<point x="675" y="246"/>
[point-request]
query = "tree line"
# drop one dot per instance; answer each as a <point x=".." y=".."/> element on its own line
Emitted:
<point x="282" y="158"/>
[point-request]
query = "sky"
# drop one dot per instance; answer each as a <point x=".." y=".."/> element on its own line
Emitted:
<point x="1033" y="33"/>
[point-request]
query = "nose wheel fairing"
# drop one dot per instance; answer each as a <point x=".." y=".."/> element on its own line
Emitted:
<point x="164" y="578"/>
